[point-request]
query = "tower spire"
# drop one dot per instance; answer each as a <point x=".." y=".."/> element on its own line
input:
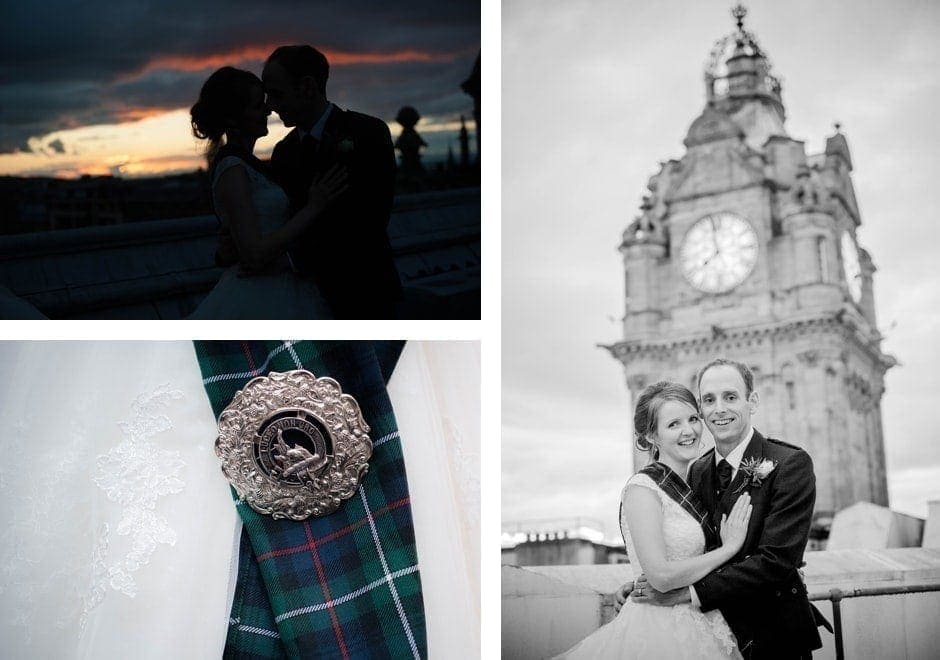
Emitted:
<point x="739" y="11"/>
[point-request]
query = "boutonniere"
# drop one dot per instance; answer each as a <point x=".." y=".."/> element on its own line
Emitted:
<point x="756" y="470"/>
<point x="345" y="146"/>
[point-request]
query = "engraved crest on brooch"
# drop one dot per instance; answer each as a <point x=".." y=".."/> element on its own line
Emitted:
<point x="293" y="445"/>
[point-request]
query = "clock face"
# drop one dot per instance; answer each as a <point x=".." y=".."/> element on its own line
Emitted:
<point x="718" y="252"/>
<point x="851" y="267"/>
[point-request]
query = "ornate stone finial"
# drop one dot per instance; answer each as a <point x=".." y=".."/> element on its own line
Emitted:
<point x="837" y="125"/>
<point x="739" y="11"/>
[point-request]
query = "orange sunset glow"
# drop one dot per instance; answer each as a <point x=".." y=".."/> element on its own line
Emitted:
<point x="159" y="143"/>
<point x="260" y="53"/>
<point x="128" y="115"/>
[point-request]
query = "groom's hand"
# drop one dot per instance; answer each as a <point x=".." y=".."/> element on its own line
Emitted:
<point x="645" y="593"/>
<point x="621" y="596"/>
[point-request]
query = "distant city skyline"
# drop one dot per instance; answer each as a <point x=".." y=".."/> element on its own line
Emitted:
<point x="100" y="88"/>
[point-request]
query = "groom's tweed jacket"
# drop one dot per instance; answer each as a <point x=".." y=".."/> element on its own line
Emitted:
<point x="345" y="585"/>
<point x="759" y="591"/>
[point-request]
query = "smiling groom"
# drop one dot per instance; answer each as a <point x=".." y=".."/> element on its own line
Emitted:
<point x="760" y="591"/>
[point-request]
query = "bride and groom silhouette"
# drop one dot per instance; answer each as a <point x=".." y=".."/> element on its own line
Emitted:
<point x="306" y="235"/>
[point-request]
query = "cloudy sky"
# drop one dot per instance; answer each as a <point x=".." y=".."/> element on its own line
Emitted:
<point x="594" y="96"/>
<point x="99" y="87"/>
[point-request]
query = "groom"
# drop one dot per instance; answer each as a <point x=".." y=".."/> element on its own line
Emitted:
<point x="759" y="592"/>
<point x="347" y="249"/>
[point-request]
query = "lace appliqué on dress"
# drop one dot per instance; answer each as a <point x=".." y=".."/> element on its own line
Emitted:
<point x="135" y="473"/>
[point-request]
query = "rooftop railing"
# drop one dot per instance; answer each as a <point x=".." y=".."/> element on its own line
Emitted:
<point x="882" y="603"/>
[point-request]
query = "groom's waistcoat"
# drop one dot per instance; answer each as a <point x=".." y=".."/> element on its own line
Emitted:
<point x="759" y="591"/>
<point x="347" y="248"/>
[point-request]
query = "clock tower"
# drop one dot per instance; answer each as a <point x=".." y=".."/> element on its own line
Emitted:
<point x="746" y="248"/>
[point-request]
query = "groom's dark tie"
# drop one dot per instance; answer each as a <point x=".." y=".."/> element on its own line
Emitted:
<point x="308" y="151"/>
<point x="724" y="476"/>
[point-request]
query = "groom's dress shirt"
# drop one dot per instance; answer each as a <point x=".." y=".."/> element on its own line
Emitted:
<point x="735" y="456"/>
<point x="316" y="131"/>
<point x="734" y="460"/>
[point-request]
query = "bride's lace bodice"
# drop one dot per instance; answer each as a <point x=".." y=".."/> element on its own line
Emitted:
<point x="268" y="199"/>
<point x="645" y="631"/>
<point x="682" y="534"/>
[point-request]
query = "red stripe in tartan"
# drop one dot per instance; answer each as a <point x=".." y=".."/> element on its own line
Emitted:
<point x="334" y="535"/>
<point x="326" y="591"/>
<point x="247" y="351"/>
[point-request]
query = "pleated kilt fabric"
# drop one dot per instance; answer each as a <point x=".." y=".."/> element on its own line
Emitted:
<point x="344" y="585"/>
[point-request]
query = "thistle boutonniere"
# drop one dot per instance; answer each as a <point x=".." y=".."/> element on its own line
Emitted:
<point x="756" y="470"/>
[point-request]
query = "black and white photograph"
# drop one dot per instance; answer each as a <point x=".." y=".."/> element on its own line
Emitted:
<point x="719" y="309"/>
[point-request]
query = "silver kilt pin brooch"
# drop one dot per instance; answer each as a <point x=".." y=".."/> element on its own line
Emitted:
<point x="293" y="445"/>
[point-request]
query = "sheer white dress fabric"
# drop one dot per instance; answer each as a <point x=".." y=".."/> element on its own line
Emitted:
<point x="435" y="391"/>
<point x="277" y="293"/>
<point x="120" y="532"/>
<point x="117" y="524"/>
<point x="643" y="631"/>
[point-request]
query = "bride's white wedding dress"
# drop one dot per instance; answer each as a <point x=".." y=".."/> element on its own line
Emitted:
<point x="650" y="631"/>
<point x="277" y="293"/>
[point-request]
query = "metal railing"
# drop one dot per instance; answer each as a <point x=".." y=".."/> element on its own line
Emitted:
<point x="836" y="596"/>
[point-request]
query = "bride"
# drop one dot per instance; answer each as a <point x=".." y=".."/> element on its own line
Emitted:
<point x="253" y="209"/>
<point x="666" y="530"/>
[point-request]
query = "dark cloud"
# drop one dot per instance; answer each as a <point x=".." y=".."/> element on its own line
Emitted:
<point x="79" y="63"/>
<point x="57" y="146"/>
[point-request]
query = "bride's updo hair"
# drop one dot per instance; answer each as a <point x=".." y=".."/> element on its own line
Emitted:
<point x="223" y="99"/>
<point x="646" y="414"/>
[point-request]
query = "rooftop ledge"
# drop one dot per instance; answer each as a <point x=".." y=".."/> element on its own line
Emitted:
<point x="547" y="609"/>
<point x="163" y="268"/>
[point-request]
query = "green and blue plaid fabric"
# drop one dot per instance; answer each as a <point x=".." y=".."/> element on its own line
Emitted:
<point x="675" y="487"/>
<point x="345" y="585"/>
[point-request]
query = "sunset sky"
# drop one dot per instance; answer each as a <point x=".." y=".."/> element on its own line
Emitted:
<point x="105" y="88"/>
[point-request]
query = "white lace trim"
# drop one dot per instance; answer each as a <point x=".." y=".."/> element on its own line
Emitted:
<point x="135" y="473"/>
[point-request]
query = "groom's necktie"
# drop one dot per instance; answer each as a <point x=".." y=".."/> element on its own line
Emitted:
<point x="344" y="585"/>
<point x="724" y="476"/>
<point x="309" y="146"/>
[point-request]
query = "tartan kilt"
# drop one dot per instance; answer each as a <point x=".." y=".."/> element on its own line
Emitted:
<point x="345" y="585"/>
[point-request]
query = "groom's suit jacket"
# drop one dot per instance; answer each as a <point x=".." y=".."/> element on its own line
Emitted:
<point x="759" y="591"/>
<point x="346" y="250"/>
